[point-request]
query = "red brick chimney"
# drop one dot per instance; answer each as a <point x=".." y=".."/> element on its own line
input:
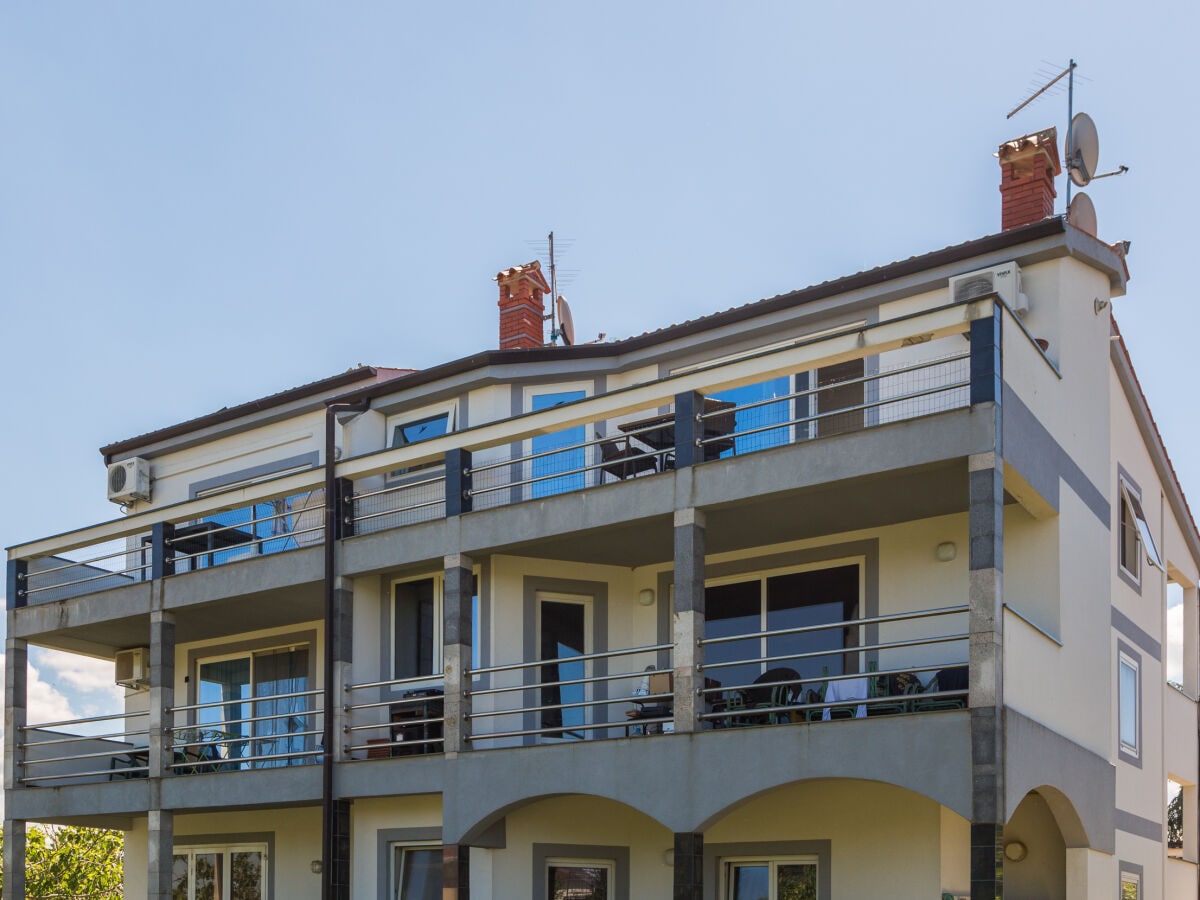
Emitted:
<point x="1028" y="165"/>
<point x="521" y="306"/>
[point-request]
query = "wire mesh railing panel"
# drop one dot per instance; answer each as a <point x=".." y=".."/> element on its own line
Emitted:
<point x="112" y="564"/>
<point x="417" y="499"/>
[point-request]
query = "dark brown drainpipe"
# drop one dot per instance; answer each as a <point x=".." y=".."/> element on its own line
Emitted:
<point x="334" y="518"/>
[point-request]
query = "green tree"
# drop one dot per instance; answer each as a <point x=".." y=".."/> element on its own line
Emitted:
<point x="63" y="862"/>
<point x="1175" y="821"/>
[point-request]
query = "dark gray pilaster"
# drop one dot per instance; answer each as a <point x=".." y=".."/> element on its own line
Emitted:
<point x="160" y="853"/>
<point x="343" y="655"/>
<point x="456" y="643"/>
<point x="687" y="428"/>
<point x="18" y="572"/>
<point x="16" y="680"/>
<point x="688" y="614"/>
<point x="458" y="481"/>
<point x="689" y="866"/>
<point x="162" y="689"/>
<point x="162" y="553"/>
<point x="339" y="857"/>
<point x="14" y="859"/>
<point x="456" y="872"/>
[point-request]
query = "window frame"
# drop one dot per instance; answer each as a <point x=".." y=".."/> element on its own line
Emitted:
<point x="728" y="864"/>
<point x="226" y="851"/>
<point x="585" y="601"/>
<point x="609" y="866"/>
<point x="438" y="649"/>
<point x="530" y="393"/>
<point x="419" y="416"/>
<point x="1130" y="874"/>
<point x="1127" y="658"/>
<point x="394" y="873"/>
<point x="1132" y="523"/>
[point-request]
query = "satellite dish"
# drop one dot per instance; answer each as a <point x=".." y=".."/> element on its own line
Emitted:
<point x="1083" y="151"/>
<point x="1082" y="213"/>
<point x="566" y="325"/>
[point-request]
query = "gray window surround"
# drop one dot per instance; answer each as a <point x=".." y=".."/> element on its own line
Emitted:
<point x="482" y="571"/>
<point x="385" y="837"/>
<point x="1133" y="579"/>
<point x="199" y="841"/>
<point x="1122" y="754"/>
<point x="290" y="639"/>
<point x="617" y="854"/>
<point x="597" y="591"/>
<point x="1127" y="868"/>
<point x="714" y="854"/>
<point x="304" y="460"/>
<point x="455" y="407"/>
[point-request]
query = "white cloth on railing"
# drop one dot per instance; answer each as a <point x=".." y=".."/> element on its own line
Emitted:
<point x="847" y="689"/>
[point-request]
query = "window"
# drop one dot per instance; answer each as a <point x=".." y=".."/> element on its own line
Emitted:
<point x="417" y="426"/>
<point x="417" y="627"/>
<point x="254" y="720"/>
<point x="1128" y="704"/>
<point x="1135" y="536"/>
<point x="416" y="872"/>
<point x="563" y="635"/>
<point x="579" y="879"/>
<point x="215" y="873"/>
<point x="1131" y="886"/>
<point x="566" y="461"/>
<point x="789" y="600"/>
<point x="793" y="878"/>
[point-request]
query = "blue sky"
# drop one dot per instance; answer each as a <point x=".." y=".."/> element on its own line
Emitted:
<point x="202" y="204"/>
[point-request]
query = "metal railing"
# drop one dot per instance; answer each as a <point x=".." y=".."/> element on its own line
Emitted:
<point x="877" y="667"/>
<point x="48" y="757"/>
<point x="586" y="710"/>
<point x="410" y="723"/>
<point x="217" y="736"/>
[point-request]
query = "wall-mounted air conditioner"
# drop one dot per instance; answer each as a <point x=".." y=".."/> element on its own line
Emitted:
<point x="1004" y="280"/>
<point x="129" y="480"/>
<point x="133" y="667"/>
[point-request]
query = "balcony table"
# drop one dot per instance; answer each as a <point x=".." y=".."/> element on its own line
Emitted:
<point x="659" y="431"/>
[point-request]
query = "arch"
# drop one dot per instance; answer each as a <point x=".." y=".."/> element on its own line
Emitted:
<point x="482" y="832"/>
<point x="1036" y="825"/>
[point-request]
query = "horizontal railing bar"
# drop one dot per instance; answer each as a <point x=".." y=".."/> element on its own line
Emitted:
<point x="846" y="623"/>
<point x="594" y="679"/>
<point x="560" y="729"/>
<point x="585" y="657"/>
<point x="71" y="564"/>
<point x="76" y="738"/>
<point x="105" y="718"/>
<point x="248" y="738"/>
<point x="92" y="774"/>
<point x="102" y="754"/>
<point x="828" y="704"/>
<point x="407" y="723"/>
<point x="238" y="760"/>
<point x="398" y="487"/>
<point x="846" y="676"/>
<point x="491" y="714"/>
<point x="348" y="748"/>
<point x="247" y="721"/>
<point x="419" y="680"/>
<point x="376" y="704"/>
<point x="817" y="654"/>
<point x="235" y="701"/>
<point x="66" y="584"/>
<point x="541" y="454"/>
<point x="401" y="509"/>
<point x="250" y="543"/>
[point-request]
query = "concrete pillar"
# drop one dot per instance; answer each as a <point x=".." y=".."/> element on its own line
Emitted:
<point x="1091" y="875"/>
<point x="16" y="680"/>
<point x="343" y="660"/>
<point x="14" y="859"/>
<point x="456" y="872"/>
<point x="162" y="689"/>
<point x="688" y="621"/>
<point x="458" y="590"/>
<point x="160" y="853"/>
<point x="689" y="866"/>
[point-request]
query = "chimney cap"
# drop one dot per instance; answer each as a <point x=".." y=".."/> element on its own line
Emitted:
<point x="1028" y="146"/>
<point x="532" y="270"/>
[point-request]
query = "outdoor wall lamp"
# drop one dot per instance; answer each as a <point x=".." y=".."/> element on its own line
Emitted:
<point x="946" y="551"/>
<point x="1015" y="851"/>
<point x="646" y="596"/>
<point x="316" y="867"/>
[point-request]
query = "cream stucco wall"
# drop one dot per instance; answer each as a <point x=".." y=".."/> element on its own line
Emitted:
<point x="371" y="816"/>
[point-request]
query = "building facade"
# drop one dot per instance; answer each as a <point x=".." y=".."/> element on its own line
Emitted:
<point x="857" y="591"/>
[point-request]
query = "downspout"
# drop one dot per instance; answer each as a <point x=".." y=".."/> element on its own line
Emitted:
<point x="333" y="530"/>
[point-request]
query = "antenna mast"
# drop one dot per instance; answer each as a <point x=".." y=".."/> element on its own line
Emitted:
<point x="553" y="293"/>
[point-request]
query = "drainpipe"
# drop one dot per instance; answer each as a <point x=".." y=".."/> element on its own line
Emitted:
<point x="333" y="529"/>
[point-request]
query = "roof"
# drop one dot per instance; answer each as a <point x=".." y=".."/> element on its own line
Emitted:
<point x="334" y="383"/>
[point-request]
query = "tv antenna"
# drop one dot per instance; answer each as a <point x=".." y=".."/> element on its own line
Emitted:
<point x="1083" y="142"/>
<point x="560" y="326"/>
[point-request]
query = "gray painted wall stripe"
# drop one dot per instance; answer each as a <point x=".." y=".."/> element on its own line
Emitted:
<point x="1126" y="628"/>
<point x="1035" y="452"/>
<point x="280" y="465"/>
<point x="1134" y="824"/>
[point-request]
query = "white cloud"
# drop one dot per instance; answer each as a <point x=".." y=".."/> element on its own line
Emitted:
<point x="93" y="677"/>
<point x="1175" y="644"/>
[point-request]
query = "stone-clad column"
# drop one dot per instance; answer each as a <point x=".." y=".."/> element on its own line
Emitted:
<point x="456" y="872"/>
<point x="986" y="597"/>
<point x="689" y="618"/>
<point x="689" y="866"/>
<point x="458" y="591"/>
<point x="160" y="822"/>
<point x="16" y="680"/>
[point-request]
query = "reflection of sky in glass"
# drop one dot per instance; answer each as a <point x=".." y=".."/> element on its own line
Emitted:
<point x="751" y="883"/>
<point x="1128" y="705"/>
<point x="558" y="462"/>
<point x="422" y="430"/>
<point x="759" y="415"/>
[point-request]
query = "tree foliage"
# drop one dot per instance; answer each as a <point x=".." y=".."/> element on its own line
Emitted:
<point x="67" y="863"/>
<point x="1175" y="821"/>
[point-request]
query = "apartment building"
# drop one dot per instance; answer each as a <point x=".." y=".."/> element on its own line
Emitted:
<point x="857" y="591"/>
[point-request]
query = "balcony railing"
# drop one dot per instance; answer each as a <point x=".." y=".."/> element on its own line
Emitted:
<point x="118" y="749"/>
<point x="571" y="697"/>
<point x="630" y="432"/>
<point x="220" y="736"/>
<point x="411" y="722"/>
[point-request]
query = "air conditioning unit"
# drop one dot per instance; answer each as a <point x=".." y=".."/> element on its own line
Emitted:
<point x="1004" y="280"/>
<point x="133" y="667"/>
<point x="129" y="480"/>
